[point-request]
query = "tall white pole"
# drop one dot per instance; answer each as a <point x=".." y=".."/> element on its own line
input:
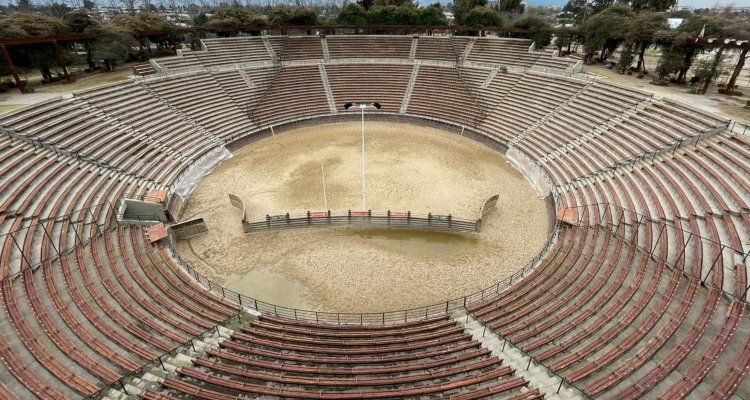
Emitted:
<point x="364" y="190"/>
<point x="325" y="196"/>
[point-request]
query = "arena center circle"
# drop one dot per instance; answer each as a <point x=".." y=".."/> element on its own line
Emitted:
<point x="409" y="167"/>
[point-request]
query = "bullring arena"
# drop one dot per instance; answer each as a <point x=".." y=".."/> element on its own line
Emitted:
<point x="613" y="265"/>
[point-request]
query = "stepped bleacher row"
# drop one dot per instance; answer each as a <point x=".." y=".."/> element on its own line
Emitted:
<point x="256" y="50"/>
<point x="600" y="310"/>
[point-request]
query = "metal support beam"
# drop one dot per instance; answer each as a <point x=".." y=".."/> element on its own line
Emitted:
<point x="12" y="69"/>
<point x="60" y="60"/>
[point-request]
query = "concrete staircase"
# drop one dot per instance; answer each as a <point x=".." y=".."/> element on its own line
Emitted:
<point x="468" y="48"/>
<point x="143" y="69"/>
<point x="487" y="82"/>
<point x="413" y="51"/>
<point x="324" y="45"/>
<point x="409" y="89"/>
<point x="167" y="366"/>
<point x="329" y="93"/>
<point x="269" y="48"/>
<point x="539" y="376"/>
<point x="544" y="118"/>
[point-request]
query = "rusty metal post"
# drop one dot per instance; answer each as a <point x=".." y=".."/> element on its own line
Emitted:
<point x="60" y="60"/>
<point x="12" y="68"/>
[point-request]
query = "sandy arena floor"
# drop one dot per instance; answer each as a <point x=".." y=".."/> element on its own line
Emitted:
<point x="408" y="168"/>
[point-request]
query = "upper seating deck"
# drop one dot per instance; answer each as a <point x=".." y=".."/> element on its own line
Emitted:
<point x="369" y="46"/>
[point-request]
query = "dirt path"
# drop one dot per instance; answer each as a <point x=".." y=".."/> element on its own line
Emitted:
<point x="408" y="168"/>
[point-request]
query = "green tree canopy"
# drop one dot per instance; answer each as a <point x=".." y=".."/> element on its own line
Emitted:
<point x="352" y="14"/>
<point x="432" y="15"/>
<point x="462" y="7"/>
<point x="200" y="20"/>
<point x="652" y="5"/>
<point x="606" y="30"/>
<point x="539" y="28"/>
<point x="483" y="16"/>
<point x="397" y="3"/>
<point x="78" y="22"/>
<point x="511" y="6"/>
<point x="285" y="15"/>
<point x="23" y="25"/>
<point x="113" y="43"/>
<point x="406" y="14"/>
<point x="381" y="15"/>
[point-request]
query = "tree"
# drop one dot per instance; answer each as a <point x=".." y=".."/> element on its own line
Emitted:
<point x="539" y="28"/>
<point x="304" y="16"/>
<point x="200" y="20"/>
<point x="78" y="22"/>
<point x="381" y="15"/>
<point x="563" y="38"/>
<point x="397" y="3"/>
<point x="129" y="6"/>
<point x="406" y="14"/>
<point x="352" y="14"/>
<point x="462" y="7"/>
<point x="511" y="7"/>
<point x="22" y="25"/>
<point x="626" y="57"/>
<point x="652" y="5"/>
<point x="57" y="10"/>
<point x="433" y="15"/>
<point x="738" y="30"/>
<point x="669" y="63"/>
<point x="483" y="16"/>
<point x="692" y="27"/>
<point x="707" y="69"/>
<point x="280" y="15"/>
<point x="25" y="6"/>
<point x="645" y="23"/>
<point x="113" y="43"/>
<point x="89" y="5"/>
<point x="605" y="31"/>
<point x="579" y="10"/>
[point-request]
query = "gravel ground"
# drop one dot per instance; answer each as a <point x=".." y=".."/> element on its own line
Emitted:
<point x="347" y="270"/>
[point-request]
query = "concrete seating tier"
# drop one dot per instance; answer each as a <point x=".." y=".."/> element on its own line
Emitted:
<point x="246" y="86"/>
<point x="532" y="98"/>
<point x="236" y="50"/>
<point x="204" y="101"/>
<point x="187" y="60"/>
<point x="494" y="50"/>
<point x="150" y="119"/>
<point x="295" y="92"/>
<point x="369" y="46"/>
<point x="548" y="61"/>
<point x="440" y="92"/>
<point x="302" y="48"/>
<point x="385" y="84"/>
<point x="302" y="360"/>
<point x="71" y="126"/>
<point x="488" y="86"/>
<point x="435" y="48"/>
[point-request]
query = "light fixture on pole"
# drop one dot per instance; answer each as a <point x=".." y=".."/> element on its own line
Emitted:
<point x="362" y="107"/>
